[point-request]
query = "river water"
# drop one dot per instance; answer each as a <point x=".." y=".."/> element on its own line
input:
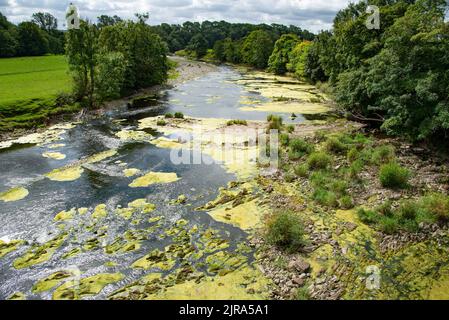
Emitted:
<point x="215" y="95"/>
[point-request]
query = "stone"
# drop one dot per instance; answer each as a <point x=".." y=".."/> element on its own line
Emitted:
<point x="298" y="281"/>
<point x="299" y="265"/>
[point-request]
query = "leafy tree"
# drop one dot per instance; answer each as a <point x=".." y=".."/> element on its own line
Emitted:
<point x="281" y="54"/>
<point x="257" y="48"/>
<point x="105" y="20"/>
<point x="298" y="59"/>
<point x="110" y="75"/>
<point x="82" y="54"/>
<point x="8" y="44"/>
<point x="32" y="40"/>
<point x="45" y="21"/>
<point x="199" y="45"/>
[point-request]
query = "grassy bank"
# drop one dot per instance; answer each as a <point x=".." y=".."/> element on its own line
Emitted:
<point x="29" y="88"/>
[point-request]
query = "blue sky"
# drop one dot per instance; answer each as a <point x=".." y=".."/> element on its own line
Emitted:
<point x="309" y="14"/>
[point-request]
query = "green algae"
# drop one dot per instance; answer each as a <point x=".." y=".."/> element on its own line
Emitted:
<point x="17" y="296"/>
<point x="72" y="253"/>
<point x="155" y="259"/>
<point x="131" y="172"/>
<point x="65" y="215"/>
<point x="154" y="178"/>
<point x="223" y="262"/>
<point x="74" y="290"/>
<point x="7" y="247"/>
<point x="100" y="212"/>
<point x="14" y="194"/>
<point x="40" y="254"/>
<point x="74" y="171"/>
<point x="51" y="281"/>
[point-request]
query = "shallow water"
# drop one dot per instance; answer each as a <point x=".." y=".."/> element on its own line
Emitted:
<point x="215" y="95"/>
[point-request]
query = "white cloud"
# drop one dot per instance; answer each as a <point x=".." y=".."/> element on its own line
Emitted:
<point x="309" y="14"/>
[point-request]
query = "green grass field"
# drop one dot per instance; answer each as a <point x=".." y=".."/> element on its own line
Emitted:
<point x="32" y="78"/>
<point x="28" y="88"/>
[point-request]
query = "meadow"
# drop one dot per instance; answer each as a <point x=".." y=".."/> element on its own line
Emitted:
<point x="28" y="90"/>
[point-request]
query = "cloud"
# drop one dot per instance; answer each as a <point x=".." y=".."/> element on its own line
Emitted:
<point x="313" y="15"/>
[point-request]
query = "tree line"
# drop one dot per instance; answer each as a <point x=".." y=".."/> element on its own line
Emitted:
<point x="113" y="59"/>
<point x="397" y="76"/>
<point x="37" y="37"/>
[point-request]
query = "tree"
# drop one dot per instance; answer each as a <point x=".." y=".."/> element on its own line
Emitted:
<point x="105" y="20"/>
<point x="32" y="40"/>
<point x="82" y="54"/>
<point x="280" y="57"/>
<point x="199" y="45"/>
<point x="8" y="44"/>
<point x="257" y="48"/>
<point x="45" y="21"/>
<point x="298" y="58"/>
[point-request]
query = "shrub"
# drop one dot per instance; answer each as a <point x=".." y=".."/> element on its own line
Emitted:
<point x="355" y="168"/>
<point x="346" y="202"/>
<point x="368" y="216"/>
<point x="286" y="231"/>
<point x="302" y="170"/>
<point x="284" y="139"/>
<point x="388" y="225"/>
<point x="299" y="148"/>
<point x="437" y="206"/>
<point x="383" y="154"/>
<point x="319" y="160"/>
<point x="290" y="128"/>
<point x="168" y="116"/>
<point x="335" y="146"/>
<point x="275" y="122"/>
<point x="353" y="154"/>
<point x="325" y="198"/>
<point x="393" y="176"/>
<point x="408" y="210"/>
<point x="179" y="115"/>
<point x="302" y="294"/>
<point x="237" y="123"/>
<point x="161" y="123"/>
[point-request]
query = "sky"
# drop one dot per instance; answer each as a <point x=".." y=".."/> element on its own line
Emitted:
<point x="313" y="15"/>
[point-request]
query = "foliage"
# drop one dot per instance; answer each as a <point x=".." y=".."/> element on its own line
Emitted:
<point x="257" y="48"/>
<point x="280" y="57"/>
<point x="318" y="161"/>
<point x="179" y="115"/>
<point x="286" y="231"/>
<point x="298" y="59"/>
<point x="410" y="215"/>
<point x="237" y="123"/>
<point x="393" y="176"/>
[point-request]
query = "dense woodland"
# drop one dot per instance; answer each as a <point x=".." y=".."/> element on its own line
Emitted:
<point x="395" y="77"/>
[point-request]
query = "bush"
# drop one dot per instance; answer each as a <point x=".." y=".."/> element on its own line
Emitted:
<point x="393" y="176"/>
<point x="290" y="128"/>
<point x="275" y="122"/>
<point x="161" y="123"/>
<point x="319" y="160"/>
<point x="334" y="145"/>
<point x="368" y="216"/>
<point x="299" y="148"/>
<point x="383" y="154"/>
<point x="179" y="115"/>
<point x="237" y="123"/>
<point x="286" y="231"/>
<point x="388" y="225"/>
<point x="346" y="202"/>
<point x="168" y="116"/>
<point x="284" y="139"/>
<point x="325" y="198"/>
<point x="302" y="170"/>
<point x="353" y="154"/>
<point x="437" y="206"/>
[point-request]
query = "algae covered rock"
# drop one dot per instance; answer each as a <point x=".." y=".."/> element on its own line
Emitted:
<point x="40" y="254"/>
<point x="76" y="289"/>
<point x="14" y="194"/>
<point x="51" y="281"/>
<point x="7" y="247"/>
